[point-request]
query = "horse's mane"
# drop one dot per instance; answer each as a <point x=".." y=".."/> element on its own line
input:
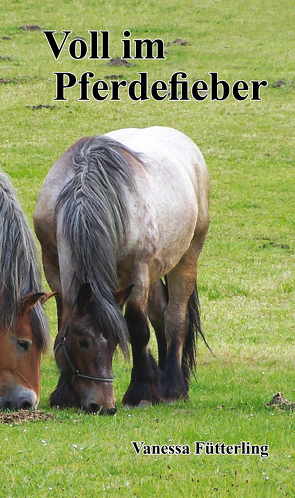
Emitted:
<point x="20" y="272"/>
<point x="95" y="220"/>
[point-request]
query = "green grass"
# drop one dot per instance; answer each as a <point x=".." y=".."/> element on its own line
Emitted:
<point x="246" y="272"/>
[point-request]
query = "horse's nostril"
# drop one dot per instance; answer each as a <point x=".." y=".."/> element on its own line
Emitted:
<point x="26" y="404"/>
<point x="93" y="408"/>
<point x="108" y="411"/>
<point x="112" y="411"/>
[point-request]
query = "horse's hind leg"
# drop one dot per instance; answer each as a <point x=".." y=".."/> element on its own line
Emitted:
<point x="181" y="324"/>
<point x="145" y="373"/>
<point x="157" y="304"/>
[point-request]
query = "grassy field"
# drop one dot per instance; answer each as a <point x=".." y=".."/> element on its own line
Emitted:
<point x="246" y="273"/>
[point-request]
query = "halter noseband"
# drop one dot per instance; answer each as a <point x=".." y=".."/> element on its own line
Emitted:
<point x="75" y="371"/>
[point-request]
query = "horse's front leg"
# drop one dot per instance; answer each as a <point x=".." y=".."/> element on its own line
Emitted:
<point x="145" y="375"/>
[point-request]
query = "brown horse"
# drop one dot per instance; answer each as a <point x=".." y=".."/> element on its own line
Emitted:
<point x="23" y="327"/>
<point x="116" y="214"/>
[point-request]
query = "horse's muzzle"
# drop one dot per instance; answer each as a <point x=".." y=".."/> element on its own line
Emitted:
<point x="19" y="399"/>
<point x="108" y="411"/>
<point x="95" y="408"/>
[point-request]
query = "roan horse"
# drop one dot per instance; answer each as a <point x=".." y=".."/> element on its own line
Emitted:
<point x="24" y="331"/>
<point x="116" y="214"/>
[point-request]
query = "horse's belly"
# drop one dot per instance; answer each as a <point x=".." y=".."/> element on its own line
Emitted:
<point x="161" y="235"/>
<point x="172" y="245"/>
<point x="159" y="254"/>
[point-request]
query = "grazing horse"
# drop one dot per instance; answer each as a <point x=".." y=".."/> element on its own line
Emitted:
<point x="24" y="331"/>
<point x="122" y="219"/>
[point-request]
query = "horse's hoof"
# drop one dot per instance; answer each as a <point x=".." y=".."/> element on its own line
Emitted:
<point x="173" y="388"/>
<point x="168" y="401"/>
<point x="140" y="394"/>
<point x="128" y="407"/>
<point x="171" y="400"/>
<point x="144" y="403"/>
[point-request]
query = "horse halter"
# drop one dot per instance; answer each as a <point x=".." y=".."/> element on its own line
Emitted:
<point x="75" y="371"/>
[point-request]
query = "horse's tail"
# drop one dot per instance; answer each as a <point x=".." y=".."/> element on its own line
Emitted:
<point x="194" y="330"/>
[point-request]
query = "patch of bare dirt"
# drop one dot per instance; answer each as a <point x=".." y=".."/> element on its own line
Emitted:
<point x="271" y="243"/>
<point x="40" y="106"/>
<point x="30" y="27"/>
<point x="6" y="81"/>
<point x="24" y="416"/>
<point x="117" y="61"/>
<point x="179" y="41"/>
<point x="114" y="77"/>
<point x="279" y="83"/>
<point x="281" y="402"/>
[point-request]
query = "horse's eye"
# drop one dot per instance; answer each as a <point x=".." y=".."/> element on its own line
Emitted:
<point x="23" y="344"/>
<point x="83" y="343"/>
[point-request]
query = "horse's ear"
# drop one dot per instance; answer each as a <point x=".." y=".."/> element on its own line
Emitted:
<point x="122" y="295"/>
<point x="29" y="301"/>
<point x="47" y="295"/>
<point x="84" y="298"/>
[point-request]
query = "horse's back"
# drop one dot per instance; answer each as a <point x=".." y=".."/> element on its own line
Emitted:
<point x="175" y="166"/>
<point x="157" y="144"/>
<point x="174" y="195"/>
<point x="158" y="141"/>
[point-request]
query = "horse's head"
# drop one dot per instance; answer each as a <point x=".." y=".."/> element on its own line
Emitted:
<point x="20" y="356"/>
<point x="84" y="354"/>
